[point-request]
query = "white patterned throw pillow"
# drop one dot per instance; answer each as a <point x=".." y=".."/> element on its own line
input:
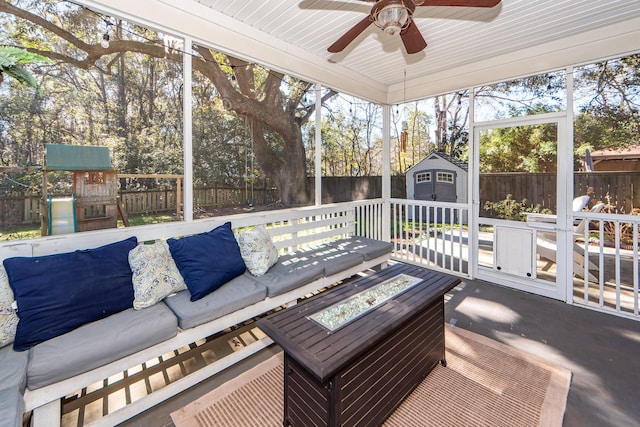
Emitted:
<point x="155" y="274"/>
<point x="258" y="251"/>
<point x="8" y="317"/>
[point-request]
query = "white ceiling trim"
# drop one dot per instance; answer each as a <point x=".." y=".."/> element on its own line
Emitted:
<point x="356" y="76"/>
<point x="209" y="27"/>
<point x="606" y="42"/>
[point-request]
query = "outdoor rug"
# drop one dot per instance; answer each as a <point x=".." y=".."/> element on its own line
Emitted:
<point x="485" y="383"/>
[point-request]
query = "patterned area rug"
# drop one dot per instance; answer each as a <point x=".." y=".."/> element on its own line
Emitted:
<point x="485" y="383"/>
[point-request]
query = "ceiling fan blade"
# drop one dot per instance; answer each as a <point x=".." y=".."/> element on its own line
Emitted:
<point x="412" y="39"/>
<point x="463" y="3"/>
<point x="350" y="35"/>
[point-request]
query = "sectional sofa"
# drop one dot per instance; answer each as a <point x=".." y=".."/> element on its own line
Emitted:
<point x="89" y="313"/>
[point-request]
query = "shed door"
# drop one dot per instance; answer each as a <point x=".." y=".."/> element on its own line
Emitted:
<point x="435" y="184"/>
<point x="423" y="185"/>
<point x="444" y="186"/>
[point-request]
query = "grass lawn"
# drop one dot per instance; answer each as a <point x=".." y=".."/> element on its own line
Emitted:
<point x="19" y="232"/>
<point x="32" y="231"/>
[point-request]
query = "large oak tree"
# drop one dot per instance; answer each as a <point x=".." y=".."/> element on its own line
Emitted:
<point x="270" y="102"/>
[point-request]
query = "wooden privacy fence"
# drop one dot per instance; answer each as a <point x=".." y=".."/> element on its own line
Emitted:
<point x="336" y="189"/>
<point x="25" y="209"/>
<point x="159" y="201"/>
<point x="19" y="209"/>
<point x="621" y="189"/>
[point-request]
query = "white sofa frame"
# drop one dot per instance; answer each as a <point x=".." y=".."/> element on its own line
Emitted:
<point x="291" y="230"/>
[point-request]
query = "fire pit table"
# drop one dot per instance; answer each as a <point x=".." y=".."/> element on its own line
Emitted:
<point x="353" y="353"/>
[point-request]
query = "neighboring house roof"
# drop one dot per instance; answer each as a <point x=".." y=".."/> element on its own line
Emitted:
<point x="625" y="153"/>
<point x="77" y="158"/>
<point x="458" y="163"/>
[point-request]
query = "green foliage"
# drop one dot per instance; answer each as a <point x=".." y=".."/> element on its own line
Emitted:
<point x="130" y="98"/>
<point x="132" y="102"/>
<point x="513" y="210"/>
<point x="11" y="61"/>
<point x="351" y="141"/>
<point x="531" y="148"/>
<point x="419" y="142"/>
<point x="522" y="97"/>
<point x="608" y="99"/>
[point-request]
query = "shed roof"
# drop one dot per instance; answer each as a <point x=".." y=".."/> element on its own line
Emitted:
<point x="458" y="163"/>
<point x="77" y="157"/>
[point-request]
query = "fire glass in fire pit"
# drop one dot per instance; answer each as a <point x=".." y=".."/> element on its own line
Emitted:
<point x="338" y="315"/>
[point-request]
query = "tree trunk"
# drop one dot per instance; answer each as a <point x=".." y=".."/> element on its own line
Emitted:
<point x="286" y="168"/>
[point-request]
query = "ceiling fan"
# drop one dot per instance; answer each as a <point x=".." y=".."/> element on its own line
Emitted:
<point x="396" y="16"/>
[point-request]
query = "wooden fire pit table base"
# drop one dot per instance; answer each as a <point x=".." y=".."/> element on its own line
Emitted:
<point x="358" y="372"/>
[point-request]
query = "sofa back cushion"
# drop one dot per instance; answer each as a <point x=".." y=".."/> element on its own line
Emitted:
<point x="207" y="260"/>
<point x="155" y="274"/>
<point x="257" y="249"/>
<point x="58" y="293"/>
<point x="8" y="317"/>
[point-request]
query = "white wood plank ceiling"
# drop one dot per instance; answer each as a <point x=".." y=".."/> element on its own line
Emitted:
<point x="465" y="45"/>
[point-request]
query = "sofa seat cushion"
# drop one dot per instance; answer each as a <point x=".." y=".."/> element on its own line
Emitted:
<point x="13" y="368"/>
<point x="290" y="272"/>
<point x="368" y="248"/>
<point x="11" y="407"/>
<point x="335" y="260"/>
<point x="232" y="296"/>
<point x="98" y="343"/>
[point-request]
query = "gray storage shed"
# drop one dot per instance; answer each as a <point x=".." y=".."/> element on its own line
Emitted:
<point x="438" y="177"/>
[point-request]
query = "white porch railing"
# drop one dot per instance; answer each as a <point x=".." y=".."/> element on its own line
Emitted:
<point x="428" y="234"/>
<point x="431" y="234"/>
<point x="369" y="219"/>
<point x="611" y="244"/>
<point x="435" y="235"/>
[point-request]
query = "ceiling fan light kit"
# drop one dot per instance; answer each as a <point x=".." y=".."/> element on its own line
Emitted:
<point x="396" y="17"/>
<point x="392" y="16"/>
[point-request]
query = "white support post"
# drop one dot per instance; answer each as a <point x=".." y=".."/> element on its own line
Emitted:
<point x="386" y="173"/>
<point x="564" y="279"/>
<point x="318" y="146"/>
<point x="473" y="190"/>
<point x="187" y="210"/>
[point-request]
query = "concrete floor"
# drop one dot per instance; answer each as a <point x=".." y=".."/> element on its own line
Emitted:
<point x="602" y="352"/>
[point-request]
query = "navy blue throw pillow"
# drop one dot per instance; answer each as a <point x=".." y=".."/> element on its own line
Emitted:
<point x="61" y="292"/>
<point x="208" y="260"/>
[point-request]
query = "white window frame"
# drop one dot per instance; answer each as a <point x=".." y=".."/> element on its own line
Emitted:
<point x="440" y="177"/>
<point x="422" y="177"/>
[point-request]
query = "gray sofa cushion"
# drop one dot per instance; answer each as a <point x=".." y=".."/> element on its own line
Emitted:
<point x="290" y="272"/>
<point x="13" y="368"/>
<point x="232" y="296"/>
<point x="98" y="343"/>
<point x="369" y="248"/>
<point x="11" y="407"/>
<point x="335" y="260"/>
